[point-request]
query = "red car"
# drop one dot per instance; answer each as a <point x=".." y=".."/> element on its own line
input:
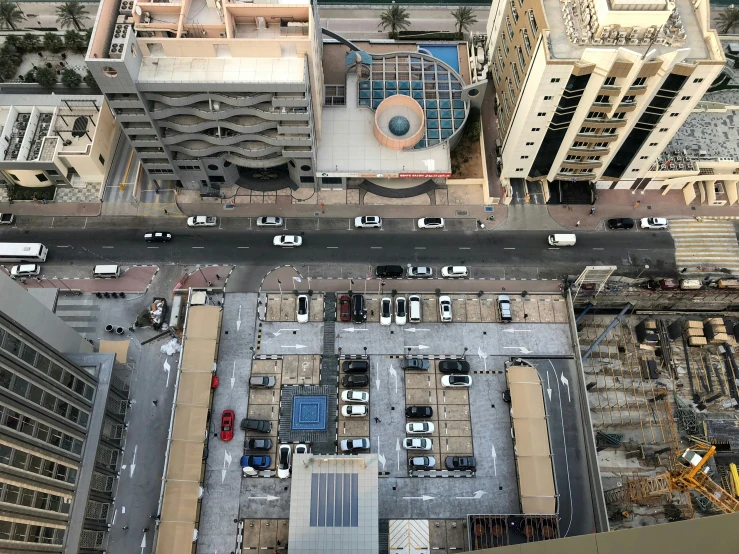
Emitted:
<point x="345" y="310"/>
<point x="227" y="425"/>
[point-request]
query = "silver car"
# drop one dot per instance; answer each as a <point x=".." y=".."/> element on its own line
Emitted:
<point x="269" y="221"/>
<point x="420" y="272"/>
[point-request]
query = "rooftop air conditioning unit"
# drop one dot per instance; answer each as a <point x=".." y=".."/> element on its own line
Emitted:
<point x="597" y="41"/>
<point x="621" y="41"/>
<point x="611" y="41"/>
<point x="646" y="40"/>
<point x="634" y="41"/>
<point x="222" y="34"/>
<point x="622" y="34"/>
<point x="634" y="32"/>
<point x="147" y="17"/>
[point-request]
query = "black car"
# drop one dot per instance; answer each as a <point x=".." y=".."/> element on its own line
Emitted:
<point x="359" y="310"/>
<point x="419" y="411"/>
<point x="258" y="444"/>
<point x="507" y="396"/>
<point x="454" y="366"/>
<point x="352" y="381"/>
<point x="257" y="425"/>
<point x="460" y="462"/>
<point x="414" y="364"/>
<point x="389" y="271"/>
<point x="621" y="223"/>
<point x="355" y="366"/>
<point x="158" y="236"/>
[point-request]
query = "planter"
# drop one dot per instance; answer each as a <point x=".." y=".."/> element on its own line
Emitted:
<point x="120" y="330"/>
<point x="109" y="328"/>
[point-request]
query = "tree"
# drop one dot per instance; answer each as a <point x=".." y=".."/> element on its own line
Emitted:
<point x="71" y="79"/>
<point x="727" y="20"/>
<point x="396" y="18"/>
<point x="14" y="41"/>
<point x="70" y="14"/>
<point x="91" y="82"/>
<point x="53" y="43"/>
<point x="11" y="54"/>
<point x="30" y="43"/>
<point x="45" y="77"/>
<point x="74" y="41"/>
<point x="465" y="18"/>
<point x="7" y="68"/>
<point x="10" y="15"/>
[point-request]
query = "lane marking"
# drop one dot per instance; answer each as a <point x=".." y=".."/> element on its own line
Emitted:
<point x="509" y="248"/>
<point x="108" y="247"/>
<point x="598" y="248"/>
<point x="376" y="247"/>
<point x="464" y="247"/>
<point x="198" y="246"/>
<point x="553" y="248"/>
<point x="420" y="248"/>
<point x="332" y="247"/>
<point x="242" y="247"/>
<point x="152" y="247"/>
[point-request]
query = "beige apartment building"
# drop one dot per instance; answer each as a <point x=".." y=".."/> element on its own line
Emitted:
<point x="590" y="92"/>
<point x="214" y="91"/>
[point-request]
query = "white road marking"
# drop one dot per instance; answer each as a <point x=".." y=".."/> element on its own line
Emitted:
<point x="199" y="247"/>
<point x="509" y="248"/>
<point x="242" y="247"/>
<point x="598" y="248"/>
<point x="564" y="439"/>
<point x="376" y="247"/>
<point x="152" y="247"/>
<point x="464" y="247"/>
<point x="108" y="247"/>
<point x="420" y="248"/>
<point x="332" y="247"/>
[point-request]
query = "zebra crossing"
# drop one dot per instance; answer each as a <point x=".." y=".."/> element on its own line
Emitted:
<point x="79" y="313"/>
<point x="705" y="246"/>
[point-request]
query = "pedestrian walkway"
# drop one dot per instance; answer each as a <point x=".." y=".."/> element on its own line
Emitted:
<point x="79" y="313"/>
<point x="702" y="246"/>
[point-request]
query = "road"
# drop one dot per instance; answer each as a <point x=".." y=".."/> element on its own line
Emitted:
<point x="630" y="252"/>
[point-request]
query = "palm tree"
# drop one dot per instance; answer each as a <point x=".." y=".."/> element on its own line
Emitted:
<point x="53" y="43"/>
<point x="31" y="42"/>
<point x="69" y="14"/>
<point x="74" y="41"/>
<point x="396" y="18"/>
<point x="70" y="78"/>
<point x="465" y="18"/>
<point x="45" y="77"/>
<point x="10" y="14"/>
<point x="727" y="20"/>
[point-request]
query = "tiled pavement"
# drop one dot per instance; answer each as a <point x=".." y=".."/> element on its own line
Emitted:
<point x="705" y="245"/>
<point x="89" y="193"/>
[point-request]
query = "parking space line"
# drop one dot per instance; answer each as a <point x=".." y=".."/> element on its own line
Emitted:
<point x="152" y="247"/>
<point x="108" y="247"/>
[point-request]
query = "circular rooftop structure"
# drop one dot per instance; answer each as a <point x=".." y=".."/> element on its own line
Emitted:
<point x="399" y="122"/>
<point x="399" y="125"/>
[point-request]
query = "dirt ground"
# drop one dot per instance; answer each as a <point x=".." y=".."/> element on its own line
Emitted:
<point x="472" y="167"/>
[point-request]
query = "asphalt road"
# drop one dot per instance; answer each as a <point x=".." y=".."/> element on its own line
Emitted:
<point x="629" y="251"/>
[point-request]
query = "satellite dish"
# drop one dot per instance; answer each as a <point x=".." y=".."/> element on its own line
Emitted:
<point x="137" y="9"/>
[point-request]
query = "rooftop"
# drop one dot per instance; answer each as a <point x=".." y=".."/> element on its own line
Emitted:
<point x="236" y="70"/>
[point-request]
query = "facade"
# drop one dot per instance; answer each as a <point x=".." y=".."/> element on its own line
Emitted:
<point x="54" y="139"/>
<point x="62" y="413"/>
<point x="214" y="91"/>
<point x="592" y="91"/>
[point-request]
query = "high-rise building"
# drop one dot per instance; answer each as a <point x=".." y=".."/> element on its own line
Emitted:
<point x="62" y="410"/>
<point x="591" y="91"/>
<point x="214" y="91"/>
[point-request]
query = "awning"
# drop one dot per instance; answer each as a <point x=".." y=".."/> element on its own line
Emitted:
<point x="532" y="438"/>
<point x="190" y="423"/>
<point x="199" y="354"/>
<point x="194" y="389"/>
<point x="536" y="485"/>
<point x="175" y="537"/>
<point x="117" y="347"/>
<point x="204" y="322"/>
<point x="185" y="461"/>
<point x="180" y="501"/>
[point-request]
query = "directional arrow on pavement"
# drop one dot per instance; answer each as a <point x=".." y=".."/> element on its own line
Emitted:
<point x="167" y="367"/>
<point x="353" y="330"/>
<point x="296" y="346"/>
<point x="495" y="466"/>
<point x="397" y="451"/>
<point x="380" y="457"/>
<point x="517" y="331"/>
<point x="143" y="543"/>
<point x="484" y="357"/>
<point x="233" y="375"/>
<point x="133" y="462"/>
<point x="238" y="320"/>
<point x="566" y="383"/>
<point x="268" y="498"/>
<point x="477" y="496"/>
<point x="226" y="464"/>
<point x="413" y="329"/>
<point x="549" y="387"/>
<point x="424" y="497"/>
<point x="522" y="349"/>
<point x="395" y="377"/>
<point x="277" y="333"/>
<point x="420" y="346"/>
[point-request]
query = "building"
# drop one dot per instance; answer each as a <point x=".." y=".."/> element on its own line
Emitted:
<point x="214" y="91"/>
<point x="590" y="92"/>
<point x="62" y="410"/>
<point x="51" y="139"/>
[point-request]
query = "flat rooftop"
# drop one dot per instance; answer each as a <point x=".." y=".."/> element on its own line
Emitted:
<point x="235" y="70"/>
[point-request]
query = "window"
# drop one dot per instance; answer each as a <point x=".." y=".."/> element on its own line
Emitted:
<point x="643" y="157"/>
<point x="521" y="59"/>
<point x="524" y="157"/>
<point x="609" y="131"/>
<point x="307" y="179"/>
<point x="13" y="177"/>
<point x="639" y="82"/>
<point x="514" y="11"/>
<point x="504" y="44"/>
<point x="510" y="89"/>
<point x="685" y="98"/>
<point x="217" y="179"/>
<point x="41" y="177"/>
<point x="541" y="114"/>
<point x="602" y="99"/>
<point x="610" y="81"/>
<point x="535" y="130"/>
<point x="501" y="60"/>
<point x="600" y="145"/>
<point x="547" y="98"/>
<point x="52" y="172"/>
<point x="532" y="22"/>
<point x="674" y="114"/>
<point x="618" y="115"/>
<point x="572" y="158"/>
<point x="663" y="130"/>
<point x="556" y="80"/>
<point x="596" y="115"/>
<point x="101" y="159"/>
<point x="516" y="75"/>
<point x="526" y="41"/>
<point x="698" y="80"/>
<point x="566" y="170"/>
<point x="628" y="99"/>
<point x="496" y="74"/>
<point x="529" y="144"/>
<point x="509" y="27"/>
<point x="652" y="144"/>
<point x="587" y="130"/>
<point x="519" y="169"/>
<point x="634" y="170"/>
<point x="594" y="158"/>
<point x="579" y="144"/>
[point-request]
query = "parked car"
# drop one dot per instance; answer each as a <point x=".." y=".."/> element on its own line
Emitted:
<point x="355" y="381"/>
<point x="352" y="445"/>
<point x="355" y="396"/>
<point x="7" y="219"/>
<point x="445" y="308"/>
<point x="621" y="223"/>
<point x="157" y="236"/>
<point x="507" y="396"/>
<point x="25" y="270"/>
<point x="202" y="221"/>
<point x="284" y="453"/>
<point x="401" y="310"/>
<point x="368" y="221"/>
<point x="302" y="308"/>
<point x="355" y="366"/>
<point x="414" y="364"/>
<point x="287" y="241"/>
<point x="354" y="410"/>
<point x="227" y="425"/>
<point x="460" y="462"/>
<point x="413" y="443"/>
<point x="301" y="448"/>
<point x="258" y="444"/>
<point x="359" y="310"/>
<point x="419" y="428"/>
<point x="422" y="462"/>
<point x="454" y="366"/>
<point x="391" y="271"/>
<point x="654" y="223"/>
<point x="345" y="310"/>
<point x="504" y="305"/>
<point x="420" y="272"/>
<point x="419" y="412"/>
<point x="456" y="381"/>
<point x="431" y="223"/>
<point x="256" y="425"/>
<point x="455" y="271"/>
<point x="269" y="221"/>
<point x="262" y="381"/>
<point x="256" y="462"/>
<point x="386" y="311"/>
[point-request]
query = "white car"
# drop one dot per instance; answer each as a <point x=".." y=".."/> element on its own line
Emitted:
<point x="284" y="453"/>
<point x="25" y="270"/>
<point x="374" y="221"/>
<point x="419" y="428"/>
<point x="445" y="308"/>
<point x="456" y="381"/>
<point x="454" y="271"/>
<point x="401" y="310"/>
<point x="431" y="223"/>
<point x="301" y="448"/>
<point x="420" y="272"/>
<point x="287" y="241"/>
<point x="355" y="396"/>
<point x="352" y="445"/>
<point x="386" y="311"/>
<point x="302" y="308"/>
<point x="654" y="223"/>
<point x="269" y="221"/>
<point x="202" y="221"/>
<point x="354" y="410"/>
<point x="413" y="443"/>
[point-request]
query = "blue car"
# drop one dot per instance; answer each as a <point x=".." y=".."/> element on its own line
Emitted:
<point x="256" y="462"/>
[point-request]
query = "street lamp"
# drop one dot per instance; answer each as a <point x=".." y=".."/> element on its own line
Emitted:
<point x="642" y="271"/>
<point x="203" y="274"/>
<point x="464" y="354"/>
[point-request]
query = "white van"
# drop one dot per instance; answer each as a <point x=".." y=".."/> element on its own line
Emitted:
<point x="414" y="309"/>
<point x="562" y="240"/>
<point x="106" y="271"/>
<point x="690" y="284"/>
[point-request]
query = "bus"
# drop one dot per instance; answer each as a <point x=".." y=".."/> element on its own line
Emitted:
<point x="22" y="252"/>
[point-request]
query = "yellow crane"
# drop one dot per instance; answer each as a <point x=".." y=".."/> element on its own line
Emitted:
<point x="695" y="477"/>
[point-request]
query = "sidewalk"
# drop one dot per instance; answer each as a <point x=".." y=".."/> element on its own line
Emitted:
<point x="53" y="209"/>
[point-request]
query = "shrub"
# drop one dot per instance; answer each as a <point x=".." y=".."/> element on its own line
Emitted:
<point x="31" y="42"/>
<point x="70" y="78"/>
<point x="45" y="77"/>
<point x="17" y="192"/>
<point x="91" y="82"/>
<point x="53" y="43"/>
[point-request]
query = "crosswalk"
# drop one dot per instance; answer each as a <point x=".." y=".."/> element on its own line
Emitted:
<point x="704" y="246"/>
<point x="79" y="313"/>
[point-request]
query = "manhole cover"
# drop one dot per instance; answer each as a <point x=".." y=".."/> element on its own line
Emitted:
<point x="460" y="213"/>
<point x="316" y="214"/>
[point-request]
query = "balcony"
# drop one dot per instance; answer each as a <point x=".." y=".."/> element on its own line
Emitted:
<point x="297" y="152"/>
<point x="602" y="105"/>
<point x="610" y="90"/>
<point x="627" y="107"/>
<point x="575" y="176"/>
<point x="637" y="90"/>
<point x="577" y="151"/>
<point x="584" y="164"/>
<point x="596" y="138"/>
<point x="296" y="101"/>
